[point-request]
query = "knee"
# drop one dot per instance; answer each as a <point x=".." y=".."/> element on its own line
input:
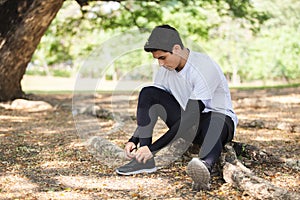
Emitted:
<point x="149" y="91"/>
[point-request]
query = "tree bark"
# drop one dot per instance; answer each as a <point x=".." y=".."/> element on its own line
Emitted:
<point x="23" y="23"/>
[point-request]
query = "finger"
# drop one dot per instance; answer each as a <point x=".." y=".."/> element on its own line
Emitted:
<point x="145" y="160"/>
<point x="142" y="158"/>
<point x="147" y="157"/>
<point x="127" y="156"/>
<point x="130" y="156"/>
<point x="139" y="158"/>
<point x="127" y="152"/>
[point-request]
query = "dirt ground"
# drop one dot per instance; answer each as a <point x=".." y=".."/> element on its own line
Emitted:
<point x="43" y="157"/>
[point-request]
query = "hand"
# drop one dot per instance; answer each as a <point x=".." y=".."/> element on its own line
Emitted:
<point x="143" y="154"/>
<point x="129" y="147"/>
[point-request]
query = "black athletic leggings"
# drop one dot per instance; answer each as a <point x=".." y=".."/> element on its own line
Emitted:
<point x="210" y="130"/>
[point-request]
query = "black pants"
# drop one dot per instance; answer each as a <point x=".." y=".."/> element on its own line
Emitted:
<point x="210" y="130"/>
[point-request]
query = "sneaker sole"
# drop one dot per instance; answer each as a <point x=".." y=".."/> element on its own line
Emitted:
<point x="198" y="172"/>
<point x="138" y="171"/>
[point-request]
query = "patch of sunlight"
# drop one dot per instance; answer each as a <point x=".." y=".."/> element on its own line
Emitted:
<point x="269" y="116"/>
<point x="63" y="195"/>
<point x="274" y="138"/>
<point x="4" y="130"/>
<point x="16" y="183"/>
<point x="113" y="182"/>
<point x="14" y="118"/>
<point x="77" y="143"/>
<point x="282" y="179"/>
<point x="125" y="98"/>
<point x="292" y="98"/>
<point x="44" y="130"/>
<point x="55" y="164"/>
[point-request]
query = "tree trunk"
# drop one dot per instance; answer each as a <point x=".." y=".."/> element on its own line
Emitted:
<point x="23" y="23"/>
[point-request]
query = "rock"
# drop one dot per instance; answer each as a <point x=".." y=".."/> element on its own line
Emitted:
<point x="30" y="106"/>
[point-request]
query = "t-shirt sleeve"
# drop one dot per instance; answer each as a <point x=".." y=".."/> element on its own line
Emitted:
<point x="205" y="80"/>
<point x="159" y="80"/>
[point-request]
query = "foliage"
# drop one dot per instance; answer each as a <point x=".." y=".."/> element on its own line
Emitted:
<point x="250" y="39"/>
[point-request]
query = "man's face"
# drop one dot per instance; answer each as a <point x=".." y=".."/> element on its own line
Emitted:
<point x="167" y="59"/>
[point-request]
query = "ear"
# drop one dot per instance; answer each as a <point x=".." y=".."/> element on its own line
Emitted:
<point x="176" y="49"/>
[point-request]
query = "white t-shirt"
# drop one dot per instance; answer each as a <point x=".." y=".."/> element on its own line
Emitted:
<point x="200" y="79"/>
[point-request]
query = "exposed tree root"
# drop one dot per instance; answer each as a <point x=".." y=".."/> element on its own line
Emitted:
<point x="243" y="178"/>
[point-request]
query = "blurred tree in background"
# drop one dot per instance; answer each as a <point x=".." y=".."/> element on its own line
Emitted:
<point x="255" y="41"/>
<point x="77" y="31"/>
<point x="272" y="53"/>
<point x="250" y="39"/>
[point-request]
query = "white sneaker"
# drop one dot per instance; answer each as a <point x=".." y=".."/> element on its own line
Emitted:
<point x="198" y="171"/>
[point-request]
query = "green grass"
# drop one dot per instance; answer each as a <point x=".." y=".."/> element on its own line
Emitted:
<point x="243" y="88"/>
<point x="48" y="91"/>
<point x="71" y="92"/>
<point x="266" y="87"/>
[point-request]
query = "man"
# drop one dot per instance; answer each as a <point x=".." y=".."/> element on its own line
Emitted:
<point x="191" y="95"/>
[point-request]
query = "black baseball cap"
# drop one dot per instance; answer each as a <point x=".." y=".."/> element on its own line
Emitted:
<point x="164" y="38"/>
